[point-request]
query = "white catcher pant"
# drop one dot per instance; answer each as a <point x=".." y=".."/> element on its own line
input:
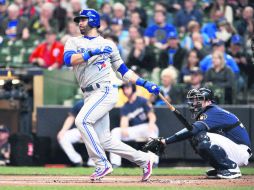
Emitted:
<point x="93" y="123"/>
<point x="71" y="137"/>
<point x="138" y="132"/>
<point x="237" y="153"/>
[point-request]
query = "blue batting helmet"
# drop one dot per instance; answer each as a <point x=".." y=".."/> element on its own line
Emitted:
<point x="92" y="15"/>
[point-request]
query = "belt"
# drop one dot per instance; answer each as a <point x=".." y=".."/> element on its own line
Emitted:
<point x="249" y="151"/>
<point x="94" y="87"/>
<point x="91" y="87"/>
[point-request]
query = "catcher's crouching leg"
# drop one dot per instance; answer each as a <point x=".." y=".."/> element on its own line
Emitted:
<point x="214" y="154"/>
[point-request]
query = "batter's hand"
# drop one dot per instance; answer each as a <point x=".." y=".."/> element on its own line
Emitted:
<point x="151" y="87"/>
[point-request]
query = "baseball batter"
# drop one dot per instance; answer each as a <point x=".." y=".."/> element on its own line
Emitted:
<point x="92" y="56"/>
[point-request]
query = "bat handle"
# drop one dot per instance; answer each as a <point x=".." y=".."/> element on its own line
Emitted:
<point x="172" y="108"/>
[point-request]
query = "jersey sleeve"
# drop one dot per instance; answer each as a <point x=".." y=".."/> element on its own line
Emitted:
<point x="123" y="111"/>
<point x="70" y="45"/>
<point x="115" y="57"/>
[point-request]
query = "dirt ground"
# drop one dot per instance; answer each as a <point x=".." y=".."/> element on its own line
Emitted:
<point x="158" y="181"/>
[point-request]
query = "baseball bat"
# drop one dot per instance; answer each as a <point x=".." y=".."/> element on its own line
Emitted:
<point x="177" y="113"/>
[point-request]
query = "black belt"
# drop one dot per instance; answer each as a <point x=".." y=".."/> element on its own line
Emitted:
<point x="249" y="151"/>
<point x="90" y="88"/>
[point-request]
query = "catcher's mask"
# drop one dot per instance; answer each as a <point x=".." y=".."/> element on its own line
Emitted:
<point x="195" y="98"/>
<point x="129" y="84"/>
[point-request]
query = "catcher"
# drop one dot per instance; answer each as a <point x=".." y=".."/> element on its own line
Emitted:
<point x="217" y="135"/>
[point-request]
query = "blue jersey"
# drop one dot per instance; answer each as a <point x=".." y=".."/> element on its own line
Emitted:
<point x="207" y="63"/>
<point x="136" y="111"/>
<point x="159" y="33"/>
<point x="217" y="120"/>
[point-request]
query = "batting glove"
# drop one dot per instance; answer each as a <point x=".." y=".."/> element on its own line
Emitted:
<point x="150" y="86"/>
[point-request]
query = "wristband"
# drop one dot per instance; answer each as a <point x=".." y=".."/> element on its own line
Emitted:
<point x="140" y="82"/>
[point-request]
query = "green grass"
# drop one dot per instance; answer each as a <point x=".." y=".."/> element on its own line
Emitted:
<point x="117" y="171"/>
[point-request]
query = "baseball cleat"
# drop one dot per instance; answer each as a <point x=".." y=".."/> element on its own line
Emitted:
<point x="212" y="174"/>
<point x="147" y="170"/>
<point x="228" y="174"/>
<point x="100" y="173"/>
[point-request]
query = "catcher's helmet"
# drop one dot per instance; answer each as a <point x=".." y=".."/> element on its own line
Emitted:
<point x="195" y="98"/>
<point x="207" y="93"/>
<point x="92" y="15"/>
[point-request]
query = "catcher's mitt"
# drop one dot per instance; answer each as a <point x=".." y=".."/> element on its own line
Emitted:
<point x="154" y="145"/>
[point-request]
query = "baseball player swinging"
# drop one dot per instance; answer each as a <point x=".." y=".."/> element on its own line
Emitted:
<point x="92" y="56"/>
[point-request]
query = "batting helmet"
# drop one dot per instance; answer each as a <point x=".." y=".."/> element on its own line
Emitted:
<point x="92" y="15"/>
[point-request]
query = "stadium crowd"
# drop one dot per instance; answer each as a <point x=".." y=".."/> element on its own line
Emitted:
<point x="179" y="44"/>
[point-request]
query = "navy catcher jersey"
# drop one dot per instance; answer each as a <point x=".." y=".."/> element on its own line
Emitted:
<point x="75" y="110"/>
<point x="217" y="120"/>
<point x="136" y="111"/>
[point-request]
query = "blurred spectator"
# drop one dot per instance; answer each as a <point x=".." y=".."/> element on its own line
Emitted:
<point x="14" y="27"/>
<point x="198" y="45"/>
<point x="192" y="62"/>
<point x="245" y="26"/>
<point x="224" y="8"/>
<point x="128" y="43"/>
<point x="237" y="51"/>
<point x="168" y="88"/>
<point x="137" y="121"/>
<point x="188" y="13"/>
<point x="28" y="10"/>
<point x="174" y="54"/>
<point x="225" y="30"/>
<point x="202" y="40"/>
<point x="48" y="54"/>
<point x="119" y="15"/>
<point x="238" y="6"/>
<point x="105" y="24"/>
<point x="117" y="29"/>
<point x="71" y="30"/>
<point x="69" y="135"/>
<point x="3" y="8"/>
<point x="221" y="76"/>
<point x="106" y="9"/>
<point x="174" y="5"/>
<point x="60" y="14"/>
<point x="141" y="58"/>
<point x="157" y="34"/>
<point x="44" y="22"/>
<point x="5" y="148"/>
<point x="206" y="63"/>
<point x="136" y="20"/>
<point x="196" y="79"/>
<point x="76" y="7"/>
<point x="132" y="6"/>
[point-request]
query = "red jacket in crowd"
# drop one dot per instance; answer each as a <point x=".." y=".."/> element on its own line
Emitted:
<point x="50" y="56"/>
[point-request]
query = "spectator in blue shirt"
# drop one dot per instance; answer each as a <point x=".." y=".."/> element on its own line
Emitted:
<point x="174" y="54"/>
<point x="157" y="34"/>
<point x="206" y="63"/>
<point x="188" y="13"/>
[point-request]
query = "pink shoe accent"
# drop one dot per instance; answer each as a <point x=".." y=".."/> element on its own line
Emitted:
<point x="100" y="173"/>
<point x="147" y="171"/>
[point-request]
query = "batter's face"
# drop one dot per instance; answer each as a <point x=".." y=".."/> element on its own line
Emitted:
<point x="83" y="26"/>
